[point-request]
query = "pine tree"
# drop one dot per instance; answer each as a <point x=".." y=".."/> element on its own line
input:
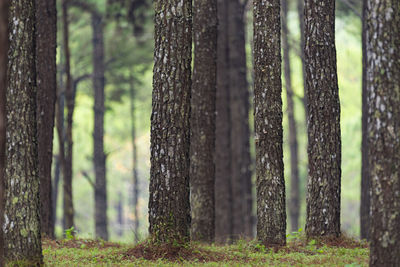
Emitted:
<point x="22" y="237"/>
<point x="324" y="146"/>
<point x="383" y="100"/>
<point x="169" y="207"/>
<point x="271" y="210"/>
<point x="202" y="147"/>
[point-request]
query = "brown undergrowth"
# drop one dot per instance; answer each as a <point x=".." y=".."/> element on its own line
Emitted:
<point x="178" y="253"/>
<point x="79" y="243"/>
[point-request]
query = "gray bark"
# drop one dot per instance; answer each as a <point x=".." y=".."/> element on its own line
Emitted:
<point x="202" y="138"/>
<point x="383" y="100"/>
<point x="324" y="146"/>
<point x="22" y="235"/>
<point x="271" y="210"/>
<point x="169" y="207"/>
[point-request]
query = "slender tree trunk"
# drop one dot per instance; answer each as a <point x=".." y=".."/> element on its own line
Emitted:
<point x="365" y="178"/>
<point x="135" y="177"/>
<point x="202" y="150"/>
<point x="240" y="132"/>
<point x="383" y="100"/>
<point x="324" y="146"/>
<point x="170" y="128"/>
<point x="271" y="209"/>
<point x="46" y="35"/>
<point x="100" y="193"/>
<point x="300" y="12"/>
<point x="120" y="215"/>
<point x="54" y="197"/>
<point x="294" y="204"/>
<point x="223" y="186"/>
<point x="22" y="237"/>
<point x="69" y="96"/>
<point x="4" y="11"/>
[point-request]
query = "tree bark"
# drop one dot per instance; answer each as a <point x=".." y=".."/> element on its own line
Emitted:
<point x="239" y="113"/>
<point x="223" y="185"/>
<point x="294" y="204"/>
<point x="169" y="207"/>
<point x="202" y="147"/>
<point x="135" y="177"/>
<point x="100" y="194"/>
<point x="54" y="195"/>
<point x="365" y="178"/>
<point x="70" y="101"/>
<point x="4" y="11"/>
<point x="22" y="237"/>
<point x="271" y="210"/>
<point x="46" y="35"/>
<point x="324" y="146"/>
<point x="383" y="100"/>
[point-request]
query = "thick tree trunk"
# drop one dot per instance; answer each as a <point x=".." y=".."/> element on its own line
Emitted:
<point x="294" y="203"/>
<point x="22" y="237"/>
<point x="383" y="99"/>
<point x="223" y="186"/>
<point x="46" y="35"/>
<point x="4" y="11"/>
<point x="100" y="194"/>
<point x="239" y="113"/>
<point x="135" y="177"/>
<point x="324" y="146"/>
<point x="365" y="178"/>
<point x="202" y="138"/>
<point x="70" y="101"/>
<point x="271" y="210"/>
<point x="169" y="205"/>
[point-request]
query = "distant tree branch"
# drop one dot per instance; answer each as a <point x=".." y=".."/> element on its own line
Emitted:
<point x="88" y="7"/>
<point x="87" y="177"/>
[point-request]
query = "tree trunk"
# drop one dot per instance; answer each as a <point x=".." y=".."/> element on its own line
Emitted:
<point x="135" y="177"/>
<point x="100" y="194"/>
<point x="202" y="168"/>
<point x="22" y="237"/>
<point x="271" y="210"/>
<point x="239" y="113"/>
<point x="324" y="146"/>
<point x="365" y="178"/>
<point x="70" y="101"/>
<point x="223" y="186"/>
<point x="54" y="196"/>
<point x="383" y="100"/>
<point x="300" y="12"/>
<point x="294" y="204"/>
<point x="4" y="11"/>
<point x="169" y="205"/>
<point x="46" y="35"/>
<point x="120" y="215"/>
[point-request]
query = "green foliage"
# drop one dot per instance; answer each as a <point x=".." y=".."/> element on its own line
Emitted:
<point x="70" y="233"/>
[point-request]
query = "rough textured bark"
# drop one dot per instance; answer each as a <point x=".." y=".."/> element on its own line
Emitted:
<point x="239" y="113"/>
<point x="300" y="12"/>
<point x="271" y="210"/>
<point x="324" y="146"/>
<point x="169" y="207"/>
<point x="202" y="138"/>
<point x="22" y="237"/>
<point x="365" y="178"/>
<point x="223" y="187"/>
<point x="99" y="158"/>
<point x="4" y="10"/>
<point x="68" y="221"/>
<point x="135" y="177"/>
<point x="383" y="94"/>
<point x="294" y="203"/>
<point x="46" y="35"/>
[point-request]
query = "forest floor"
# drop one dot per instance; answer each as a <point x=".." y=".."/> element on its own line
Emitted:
<point x="298" y="252"/>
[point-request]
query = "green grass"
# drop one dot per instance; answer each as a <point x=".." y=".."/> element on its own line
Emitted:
<point x="298" y="252"/>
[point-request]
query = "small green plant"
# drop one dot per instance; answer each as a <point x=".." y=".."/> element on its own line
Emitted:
<point x="69" y="233"/>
